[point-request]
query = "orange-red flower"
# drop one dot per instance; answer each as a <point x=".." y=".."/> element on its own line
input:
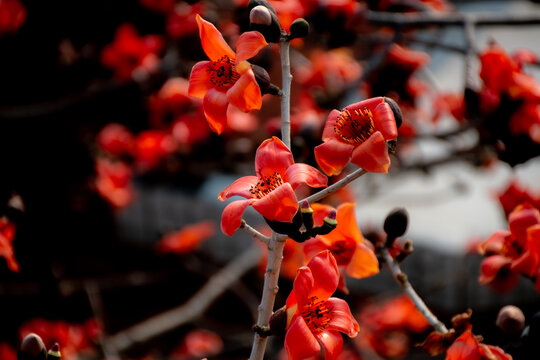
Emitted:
<point x="468" y="347"/>
<point x="358" y="133"/>
<point x="353" y="255"/>
<point x="514" y="195"/>
<point x="115" y="139"/>
<point x="152" y="146"/>
<point x="271" y="192"/>
<point x="129" y="52"/>
<point x="7" y="234"/>
<point x="198" y="344"/>
<point x="516" y="251"/>
<point x="113" y="182"/>
<point x="187" y="238"/>
<point x="227" y="78"/>
<point x="315" y="319"/>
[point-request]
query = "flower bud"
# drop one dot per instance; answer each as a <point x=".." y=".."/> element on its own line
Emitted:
<point x="263" y="80"/>
<point x="32" y="348"/>
<point x="395" y="224"/>
<point x="329" y="223"/>
<point x="259" y="11"/>
<point x="286" y="227"/>
<point x="307" y="215"/>
<point x="510" y="320"/>
<point x="398" y="117"/>
<point x="278" y="322"/>
<point x="299" y="29"/>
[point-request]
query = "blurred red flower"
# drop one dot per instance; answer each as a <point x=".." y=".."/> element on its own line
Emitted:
<point x="12" y="16"/>
<point x="188" y="238"/>
<point x="271" y="192"/>
<point x="7" y="234"/>
<point x="7" y="352"/>
<point x="358" y="134"/>
<point x="198" y="344"/>
<point x="181" y="22"/>
<point x="468" y="347"/>
<point x="353" y="255"/>
<point x="387" y="327"/>
<point x="113" y="182"/>
<point x="227" y="78"/>
<point x="171" y="100"/>
<point x="130" y="52"/>
<point x="151" y="147"/>
<point x="314" y="319"/>
<point x="116" y="140"/>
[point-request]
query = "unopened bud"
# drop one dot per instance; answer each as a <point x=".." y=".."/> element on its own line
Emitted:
<point x="398" y="117"/>
<point x="54" y="352"/>
<point x="271" y="31"/>
<point x="329" y="223"/>
<point x="299" y="29"/>
<point x="32" y="348"/>
<point x="510" y="320"/>
<point x="307" y="215"/>
<point x="395" y="224"/>
<point x="278" y="322"/>
<point x="260" y="15"/>
<point x="263" y="80"/>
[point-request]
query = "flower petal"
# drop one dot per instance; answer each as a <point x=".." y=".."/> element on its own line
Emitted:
<point x="325" y="275"/>
<point x="341" y="318"/>
<point x="328" y="131"/>
<point x="383" y="117"/>
<point x="215" y="110"/>
<point x="245" y="94"/>
<point x="372" y="155"/>
<point x="464" y="347"/>
<point x="272" y="156"/>
<point x="280" y="204"/>
<point x="231" y="218"/>
<point x="333" y="155"/>
<point x="240" y="187"/>
<point x="314" y="246"/>
<point x="364" y="263"/>
<point x="199" y="80"/>
<point x="303" y="283"/>
<point x="298" y="174"/>
<point x="300" y="342"/>
<point x="332" y="343"/>
<point x="347" y="226"/>
<point x="212" y="41"/>
<point x="249" y="44"/>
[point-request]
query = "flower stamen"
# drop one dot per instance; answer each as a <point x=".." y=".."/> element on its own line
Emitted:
<point x="223" y="73"/>
<point x="266" y="185"/>
<point x="317" y="314"/>
<point x="355" y="126"/>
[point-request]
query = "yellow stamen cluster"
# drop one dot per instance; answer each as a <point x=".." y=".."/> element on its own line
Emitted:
<point x="317" y="314"/>
<point x="266" y="185"/>
<point x="355" y="126"/>
<point x="223" y="73"/>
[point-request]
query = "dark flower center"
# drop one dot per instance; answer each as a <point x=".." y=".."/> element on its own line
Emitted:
<point x="266" y="185"/>
<point x="223" y="72"/>
<point x="355" y="126"/>
<point x="317" y="314"/>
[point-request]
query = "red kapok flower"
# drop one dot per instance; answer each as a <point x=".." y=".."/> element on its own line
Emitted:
<point x="129" y="52"/>
<point x="187" y="238"/>
<point x="353" y="255"/>
<point x="358" y="133"/>
<point x="152" y="146"/>
<point x="7" y="234"/>
<point x="227" y="78"/>
<point x="468" y="347"/>
<point x="113" y="182"/>
<point x="115" y="139"/>
<point x="315" y="319"/>
<point x="271" y="192"/>
<point x="197" y="344"/>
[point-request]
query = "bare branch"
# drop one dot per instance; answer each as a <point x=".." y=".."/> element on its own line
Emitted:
<point x="257" y="235"/>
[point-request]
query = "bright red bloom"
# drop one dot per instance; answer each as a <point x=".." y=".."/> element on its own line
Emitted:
<point x="514" y="195"/>
<point x="12" y="16"/>
<point x="7" y="234"/>
<point x="271" y="192"/>
<point x="198" y="344"/>
<point x="116" y="139"/>
<point x="130" y="52"/>
<point x="72" y="338"/>
<point x="152" y="146"/>
<point x="113" y="182"/>
<point x="187" y="238"/>
<point x="227" y="78"/>
<point x="468" y="347"/>
<point x="387" y="326"/>
<point x="353" y="255"/>
<point x="357" y="133"/>
<point x="315" y="319"/>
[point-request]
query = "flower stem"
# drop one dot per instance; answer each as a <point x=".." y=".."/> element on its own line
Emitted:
<point x="404" y="283"/>
<point x="275" y="255"/>
<point x="286" y="79"/>
<point x="254" y="233"/>
<point x="334" y="187"/>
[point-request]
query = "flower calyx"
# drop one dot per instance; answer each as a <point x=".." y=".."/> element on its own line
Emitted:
<point x="299" y="29"/>
<point x="263" y="18"/>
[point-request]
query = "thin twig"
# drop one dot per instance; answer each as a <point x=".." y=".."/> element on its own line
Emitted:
<point x="470" y="55"/>
<point x="257" y="235"/>
<point x="275" y="256"/>
<point x="404" y="283"/>
<point x="334" y="187"/>
<point x="195" y="306"/>
<point x="285" y="92"/>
